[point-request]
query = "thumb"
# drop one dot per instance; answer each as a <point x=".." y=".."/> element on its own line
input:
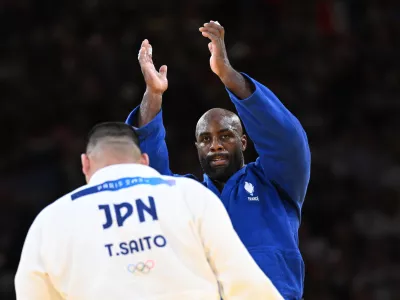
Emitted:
<point x="163" y="70"/>
<point x="210" y="46"/>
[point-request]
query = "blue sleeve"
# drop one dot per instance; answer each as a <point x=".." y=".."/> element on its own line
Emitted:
<point x="279" y="140"/>
<point x="152" y="141"/>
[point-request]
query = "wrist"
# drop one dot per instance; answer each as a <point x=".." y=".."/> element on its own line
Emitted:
<point x="228" y="75"/>
<point x="153" y="93"/>
<point x="152" y="101"/>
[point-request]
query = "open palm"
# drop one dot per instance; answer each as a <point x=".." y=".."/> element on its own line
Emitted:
<point x="156" y="81"/>
<point x="219" y="61"/>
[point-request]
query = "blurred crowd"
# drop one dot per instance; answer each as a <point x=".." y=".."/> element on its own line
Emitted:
<point x="67" y="64"/>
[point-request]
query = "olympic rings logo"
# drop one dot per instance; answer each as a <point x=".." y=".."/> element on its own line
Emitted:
<point x="141" y="267"/>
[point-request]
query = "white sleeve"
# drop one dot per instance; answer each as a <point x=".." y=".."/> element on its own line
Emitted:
<point x="237" y="273"/>
<point x="31" y="280"/>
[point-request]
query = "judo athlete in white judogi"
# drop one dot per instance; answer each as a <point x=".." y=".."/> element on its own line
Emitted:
<point x="131" y="233"/>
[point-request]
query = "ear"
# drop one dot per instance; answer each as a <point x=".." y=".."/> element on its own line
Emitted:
<point x="85" y="164"/>
<point x="197" y="145"/>
<point x="243" y="139"/>
<point x="144" y="159"/>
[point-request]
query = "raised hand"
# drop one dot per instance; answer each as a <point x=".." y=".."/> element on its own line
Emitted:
<point x="219" y="61"/>
<point x="156" y="81"/>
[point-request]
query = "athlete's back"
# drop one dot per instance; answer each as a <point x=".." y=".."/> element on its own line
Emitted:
<point x="131" y="233"/>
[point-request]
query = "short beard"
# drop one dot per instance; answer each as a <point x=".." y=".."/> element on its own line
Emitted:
<point x="222" y="174"/>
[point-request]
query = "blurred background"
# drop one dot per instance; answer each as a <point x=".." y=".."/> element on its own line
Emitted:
<point x="65" y="65"/>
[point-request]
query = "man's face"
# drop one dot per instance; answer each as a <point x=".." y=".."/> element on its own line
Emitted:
<point x="220" y="147"/>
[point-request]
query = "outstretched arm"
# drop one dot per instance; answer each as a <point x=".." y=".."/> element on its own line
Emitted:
<point x="147" y="118"/>
<point x="278" y="136"/>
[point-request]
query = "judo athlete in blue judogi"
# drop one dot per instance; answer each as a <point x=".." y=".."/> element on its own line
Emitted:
<point x="263" y="198"/>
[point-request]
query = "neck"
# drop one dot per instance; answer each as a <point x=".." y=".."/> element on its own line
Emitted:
<point x="219" y="184"/>
<point x="100" y="164"/>
<point x="112" y="161"/>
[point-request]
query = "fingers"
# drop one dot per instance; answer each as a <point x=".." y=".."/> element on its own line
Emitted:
<point x="209" y="35"/>
<point x="216" y="26"/>
<point x="212" y="30"/>
<point x="163" y="71"/>
<point x="145" y="52"/>
<point x="146" y="44"/>
<point x="142" y="53"/>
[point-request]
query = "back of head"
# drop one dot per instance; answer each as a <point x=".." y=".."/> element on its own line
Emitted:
<point x="111" y="143"/>
<point x="114" y="135"/>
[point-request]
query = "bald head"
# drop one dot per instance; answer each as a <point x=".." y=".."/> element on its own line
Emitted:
<point x="111" y="143"/>
<point x="224" y="117"/>
<point x="220" y="144"/>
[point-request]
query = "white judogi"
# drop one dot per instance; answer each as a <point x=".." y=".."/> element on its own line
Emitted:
<point x="134" y="234"/>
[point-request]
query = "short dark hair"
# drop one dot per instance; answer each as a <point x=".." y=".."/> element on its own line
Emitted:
<point x="111" y="130"/>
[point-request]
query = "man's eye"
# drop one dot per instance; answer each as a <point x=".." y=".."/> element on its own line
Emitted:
<point x="206" y="139"/>
<point x="225" y="137"/>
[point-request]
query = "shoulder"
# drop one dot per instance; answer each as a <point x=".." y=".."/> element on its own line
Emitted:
<point x="58" y="210"/>
<point x="193" y="192"/>
<point x="191" y="176"/>
<point x="186" y="183"/>
<point x="255" y="168"/>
